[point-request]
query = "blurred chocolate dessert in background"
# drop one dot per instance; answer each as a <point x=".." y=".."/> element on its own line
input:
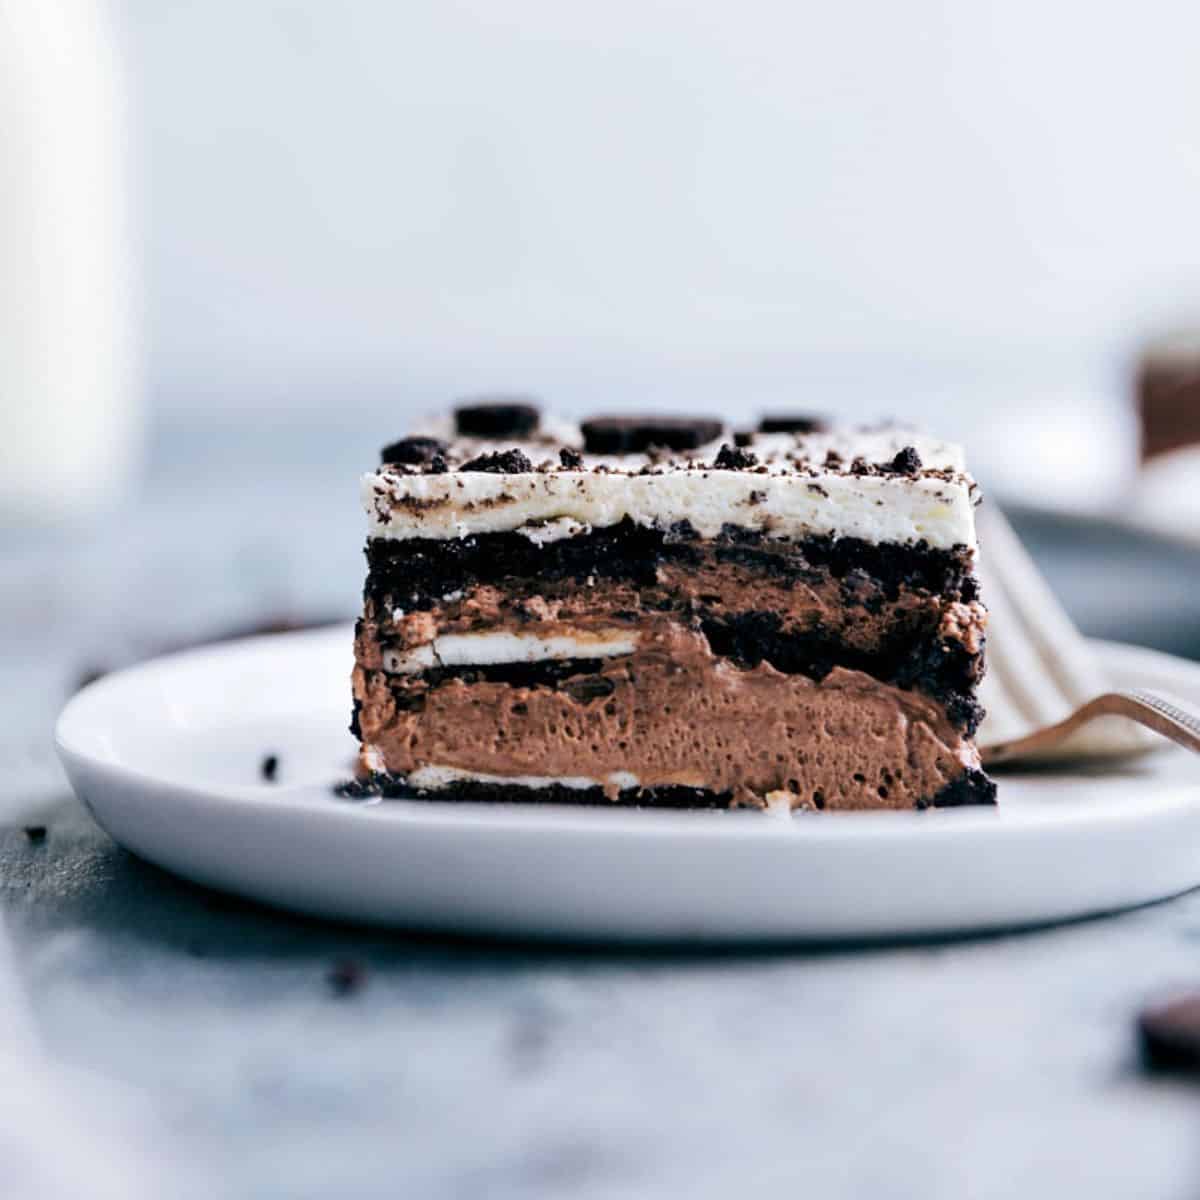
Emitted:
<point x="1168" y="391"/>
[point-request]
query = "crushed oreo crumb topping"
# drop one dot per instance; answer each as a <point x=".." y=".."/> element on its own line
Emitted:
<point x="907" y="462"/>
<point x="734" y="458"/>
<point x="571" y="459"/>
<point x="500" y="462"/>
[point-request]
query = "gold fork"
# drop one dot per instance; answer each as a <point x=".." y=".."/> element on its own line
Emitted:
<point x="1145" y="708"/>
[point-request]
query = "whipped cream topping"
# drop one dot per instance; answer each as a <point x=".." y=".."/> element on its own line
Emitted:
<point x="839" y="484"/>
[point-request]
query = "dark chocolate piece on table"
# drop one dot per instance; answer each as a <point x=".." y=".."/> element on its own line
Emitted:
<point x="1169" y="1034"/>
<point x="346" y="976"/>
<point x="632" y="434"/>
<point x="498" y="417"/>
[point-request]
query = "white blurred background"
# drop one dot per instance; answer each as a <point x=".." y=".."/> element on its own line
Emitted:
<point x="966" y="213"/>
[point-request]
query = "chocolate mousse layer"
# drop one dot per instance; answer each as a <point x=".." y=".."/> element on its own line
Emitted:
<point x="673" y="715"/>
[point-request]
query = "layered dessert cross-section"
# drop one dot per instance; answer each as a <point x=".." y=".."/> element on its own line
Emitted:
<point x="654" y="611"/>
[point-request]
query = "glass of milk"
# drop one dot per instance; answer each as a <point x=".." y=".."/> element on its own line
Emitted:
<point x="70" y="418"/>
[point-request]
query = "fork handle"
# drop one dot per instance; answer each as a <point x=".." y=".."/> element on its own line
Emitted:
<point x="1145" y="708"/>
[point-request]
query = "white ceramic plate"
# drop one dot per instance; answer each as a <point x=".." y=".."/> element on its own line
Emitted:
<point x="166" y="756"/>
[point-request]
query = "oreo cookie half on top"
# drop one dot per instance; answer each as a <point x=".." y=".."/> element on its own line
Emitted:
<point x="413" y="451"/>
<point x="631" y="434"/>
<point x="793" y="423"/>
<point x="497" y="417"/>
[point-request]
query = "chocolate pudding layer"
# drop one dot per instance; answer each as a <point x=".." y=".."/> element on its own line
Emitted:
<point x="670" y="715"/>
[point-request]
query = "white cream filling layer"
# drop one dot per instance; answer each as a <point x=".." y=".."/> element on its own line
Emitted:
<point x="434" y="778"/>
<point x="487" y="649"/>
<point x="783" y="501"/>
<point x="543" y="532"/>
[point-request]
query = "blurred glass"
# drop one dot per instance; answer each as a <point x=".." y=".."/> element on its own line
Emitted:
<point x="70" y="423"/>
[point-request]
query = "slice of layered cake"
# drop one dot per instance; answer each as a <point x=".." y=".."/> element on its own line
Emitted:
<point x="652" y="611"/>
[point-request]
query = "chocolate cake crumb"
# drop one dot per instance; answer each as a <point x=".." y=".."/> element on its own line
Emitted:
<point x="860" y="466"/>
<point x="570" y="458"/>
<point x="833" y="460"/>
<point x="413" y="451"/>
<point x="35" y="833"/>
<point x="438" y="465"/>
<point x="971" y="787"/>
<point x="907" y="462"/>
<point x="500" y="462"/>
<point x="734" y="458"/>
<point x="346" y="976"/>
<point x="499" y="417"/>
<point x="269" y="768"/>
<point x="793" y="423"/>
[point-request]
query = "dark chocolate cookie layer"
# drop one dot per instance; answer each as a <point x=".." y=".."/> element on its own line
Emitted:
<point x="423" y="570"/>
<point x="395" y="787"/>
<point x="972" y="788"/>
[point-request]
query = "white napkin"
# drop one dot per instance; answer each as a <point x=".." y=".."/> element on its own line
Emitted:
<point x="1040" y="668"/>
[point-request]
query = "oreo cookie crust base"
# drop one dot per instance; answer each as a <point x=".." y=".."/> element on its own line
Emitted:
<point x="640" y="611"/>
